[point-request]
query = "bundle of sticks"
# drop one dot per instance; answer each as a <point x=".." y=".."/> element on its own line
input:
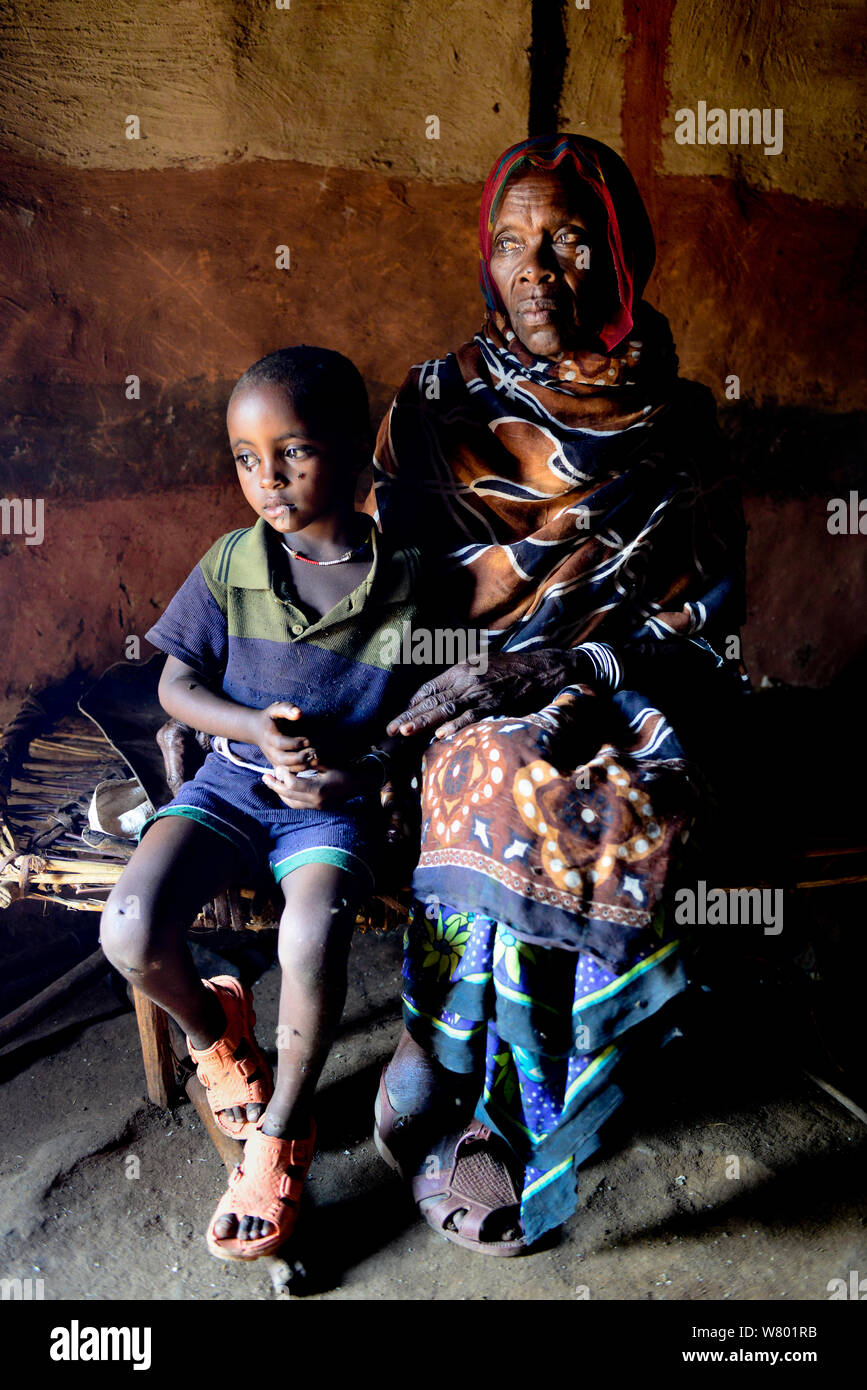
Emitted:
<point x="51" y="760"/>
<point x="47" y="777"/>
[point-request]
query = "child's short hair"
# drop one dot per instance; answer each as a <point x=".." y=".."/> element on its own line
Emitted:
<point x="324" y="386"/>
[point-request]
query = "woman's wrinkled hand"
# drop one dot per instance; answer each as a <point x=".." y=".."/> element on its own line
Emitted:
<point x="402" y="810"/>
<point x="511" y="683"/>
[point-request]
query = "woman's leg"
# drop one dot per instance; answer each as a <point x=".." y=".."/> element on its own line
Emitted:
<point x="434" y="1102"/>
<point x="413" y="1079"/>
<point x="179" y="865"/>
<point x="315" y="933"/>
<point x="419" y="1087"/>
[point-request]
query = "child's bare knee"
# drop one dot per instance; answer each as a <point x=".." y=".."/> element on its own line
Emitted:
<point x="302" y="953"/>
<point x="126" y="933"/>
<point x="308" y="945"/>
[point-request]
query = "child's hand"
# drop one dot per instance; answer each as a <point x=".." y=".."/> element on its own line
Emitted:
<point x="281" y="749"/>
<point x="330" y="787"/>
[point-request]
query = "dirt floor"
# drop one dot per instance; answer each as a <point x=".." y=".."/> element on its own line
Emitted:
<point x="105" y="1196"/>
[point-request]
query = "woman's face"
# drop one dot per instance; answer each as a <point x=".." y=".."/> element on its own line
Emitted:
<point x="542" y="264"/>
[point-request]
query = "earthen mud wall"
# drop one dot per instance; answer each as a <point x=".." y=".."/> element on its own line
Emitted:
<point x="309" y="126"/>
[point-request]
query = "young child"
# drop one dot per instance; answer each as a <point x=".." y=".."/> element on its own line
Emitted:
<point x="279" y="643"/>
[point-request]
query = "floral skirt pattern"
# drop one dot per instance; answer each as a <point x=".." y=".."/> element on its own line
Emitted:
<point x="550" y="1033"/>
<point x="573" y="856"/>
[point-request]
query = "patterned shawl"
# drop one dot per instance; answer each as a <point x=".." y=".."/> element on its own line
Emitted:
<point x="565" y="502"/>
<point x="567" y="498"/>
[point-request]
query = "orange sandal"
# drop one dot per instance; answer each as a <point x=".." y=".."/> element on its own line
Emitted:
<point x="267" y="1184"/>
<point x="233" y="1070"/>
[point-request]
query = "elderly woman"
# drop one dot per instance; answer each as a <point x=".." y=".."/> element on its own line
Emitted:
<point x="562" y="478"/>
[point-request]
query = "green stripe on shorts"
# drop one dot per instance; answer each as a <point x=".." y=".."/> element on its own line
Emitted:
<point x="220" y="827"/>
<point x="324" y="854"/>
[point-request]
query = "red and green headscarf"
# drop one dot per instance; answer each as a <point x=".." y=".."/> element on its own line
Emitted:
<point x="612" y="196"/>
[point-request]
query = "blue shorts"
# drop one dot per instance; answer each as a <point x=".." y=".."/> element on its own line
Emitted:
<point x="235" y="803"/>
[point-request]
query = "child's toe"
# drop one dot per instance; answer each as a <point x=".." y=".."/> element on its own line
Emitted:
<point x="253" y="1228"/>
<point x="226" y="1227"/>
<point x="246" y="1228"/>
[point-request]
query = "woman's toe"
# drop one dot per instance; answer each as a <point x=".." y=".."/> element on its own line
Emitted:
<point x="253" y="1112"/>
<point x="455" y="1218"/>
<point x="502" y="1224"/>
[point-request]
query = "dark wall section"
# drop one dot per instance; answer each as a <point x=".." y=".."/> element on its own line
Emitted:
<point x="155" y="258"/>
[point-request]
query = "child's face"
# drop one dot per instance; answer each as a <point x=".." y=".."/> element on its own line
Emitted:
<point x="291" y="474"/>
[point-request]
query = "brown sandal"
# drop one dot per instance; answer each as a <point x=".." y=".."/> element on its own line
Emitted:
<point x="478" y="1185"/>
<point x="482" y="1167"/>
<point x="386" y="1122"/>
<point x="422" y="1129"/>
<point x="267" y="1183"/>
<point x="232" y="1070"/>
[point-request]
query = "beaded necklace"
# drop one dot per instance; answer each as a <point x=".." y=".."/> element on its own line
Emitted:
<point x="341" y="559"/>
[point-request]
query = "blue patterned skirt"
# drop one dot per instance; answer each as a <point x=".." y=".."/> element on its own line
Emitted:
<point x="550" y="1033"/>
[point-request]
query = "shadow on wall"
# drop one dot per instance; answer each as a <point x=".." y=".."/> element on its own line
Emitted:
<point x="122" y="533"/>
<point x="806" y="584"/>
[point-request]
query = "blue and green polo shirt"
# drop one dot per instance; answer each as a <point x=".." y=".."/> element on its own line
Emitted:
<point x="236" y="622"/>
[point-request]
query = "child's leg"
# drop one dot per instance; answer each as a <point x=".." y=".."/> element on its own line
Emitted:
<point x="315" y="932"/>
<point x="313" y="947"/>
<point x="178" y="866"/>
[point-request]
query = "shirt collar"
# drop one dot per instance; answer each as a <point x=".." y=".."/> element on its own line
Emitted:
<point x="253" y="560"/>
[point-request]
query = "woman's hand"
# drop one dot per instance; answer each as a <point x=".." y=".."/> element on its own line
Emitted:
<point x="330" y="787"/>
<point x="402" y="809"/>
<point x="512" y="683"/>
<point x="403" y="815"/>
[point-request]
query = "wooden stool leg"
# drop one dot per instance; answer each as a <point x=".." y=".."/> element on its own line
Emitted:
<point x="229" y="1149"/>
<point x="156" y="1049"/>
